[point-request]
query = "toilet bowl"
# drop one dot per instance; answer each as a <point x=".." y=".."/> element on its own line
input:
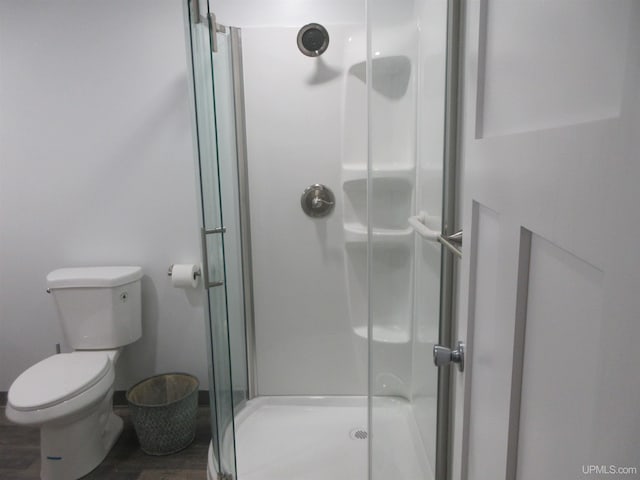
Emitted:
<point x="69" y="395"/>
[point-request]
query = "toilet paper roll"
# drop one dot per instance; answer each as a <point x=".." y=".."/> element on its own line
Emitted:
<point x="185" y="275"/>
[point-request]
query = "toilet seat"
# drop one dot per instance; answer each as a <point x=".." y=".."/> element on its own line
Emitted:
<point x="56" y="379"/>
<point x="60" y="385"/>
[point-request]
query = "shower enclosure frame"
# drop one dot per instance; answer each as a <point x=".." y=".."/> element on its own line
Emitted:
<point x="244" y="207"/>
<point x="214" y="171"/>
<point x="447" y="332"/>
<point x="448" y="265"/>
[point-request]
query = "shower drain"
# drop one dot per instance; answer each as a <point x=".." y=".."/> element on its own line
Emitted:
<point x="358" y="434"/>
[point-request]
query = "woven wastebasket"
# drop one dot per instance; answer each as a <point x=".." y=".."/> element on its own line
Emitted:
<point x="163" y="410"/>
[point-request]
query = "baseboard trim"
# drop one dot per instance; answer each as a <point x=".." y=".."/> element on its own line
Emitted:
<point x="120" y="398"/>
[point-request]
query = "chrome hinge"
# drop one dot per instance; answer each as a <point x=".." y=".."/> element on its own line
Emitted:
<point x="215" y="27"/>
<point x="195" y="11"/>
<point x="212" y="31"/>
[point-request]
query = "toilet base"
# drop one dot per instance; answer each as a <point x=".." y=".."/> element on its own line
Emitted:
<point x="71" y="449"/>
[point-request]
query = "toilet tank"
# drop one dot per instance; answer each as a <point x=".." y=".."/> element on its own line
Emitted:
<point x="98" y="307"/>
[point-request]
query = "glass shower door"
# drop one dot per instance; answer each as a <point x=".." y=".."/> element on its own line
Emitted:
<point x="406" y="106"/>
<point x="222" y="264"/>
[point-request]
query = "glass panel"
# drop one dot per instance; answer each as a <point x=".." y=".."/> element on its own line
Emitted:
<point x="221" y="393"/>
<point x="205" y="114"/>
<point x="406" y="62"/>
<point x="228" y="167"/>
<point x="212" y="74"/>
<point x="203" y="93"/>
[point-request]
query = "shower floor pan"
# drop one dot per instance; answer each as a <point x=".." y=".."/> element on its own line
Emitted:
<point x="320" y="438"/>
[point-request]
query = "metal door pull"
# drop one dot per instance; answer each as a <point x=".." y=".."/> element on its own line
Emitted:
<point x="443" y="356"/>
<point x="452" y="242"/>
<point x="205" y="256"/>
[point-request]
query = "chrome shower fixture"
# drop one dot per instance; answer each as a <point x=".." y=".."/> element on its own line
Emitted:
<point x="313" y="40"/>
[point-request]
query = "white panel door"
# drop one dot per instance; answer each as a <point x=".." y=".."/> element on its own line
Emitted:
<point x="550" y="294"/>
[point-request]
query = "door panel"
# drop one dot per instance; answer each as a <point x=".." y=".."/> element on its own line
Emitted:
<point x="550" y="101"/>
<point x="571" y="74"/>
<point x="487" y="331"/>
<point x="564" y="308"/>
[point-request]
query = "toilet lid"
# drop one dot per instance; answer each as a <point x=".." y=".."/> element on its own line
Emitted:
<point x="57" y="378"/>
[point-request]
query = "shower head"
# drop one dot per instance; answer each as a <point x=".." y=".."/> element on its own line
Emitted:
<point x="313" y="39"/>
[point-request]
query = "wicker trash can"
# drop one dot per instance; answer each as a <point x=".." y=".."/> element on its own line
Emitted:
<point x="163" y="410"/>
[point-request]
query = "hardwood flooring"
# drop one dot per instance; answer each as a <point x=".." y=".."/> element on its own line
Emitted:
<point x="20" y="454"/>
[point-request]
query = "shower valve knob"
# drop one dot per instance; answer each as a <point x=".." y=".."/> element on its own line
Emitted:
<point x="317" y="201"/>
<point x="443" y="356"/>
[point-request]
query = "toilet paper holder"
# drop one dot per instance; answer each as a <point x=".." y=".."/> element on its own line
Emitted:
<point x="197" y="273"/>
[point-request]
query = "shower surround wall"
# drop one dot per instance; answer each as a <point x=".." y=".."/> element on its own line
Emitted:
<point x="288" y="13"/>
<point x="306" y="123"/>
<point x="431" y="18"/>
<point x="306" y="344"/>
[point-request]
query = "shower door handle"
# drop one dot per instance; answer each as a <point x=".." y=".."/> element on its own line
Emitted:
<point x="205" y="256"/>
<point x="443" y="356"/>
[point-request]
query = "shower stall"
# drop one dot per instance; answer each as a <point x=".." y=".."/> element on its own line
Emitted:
<point x="321" y="140"/>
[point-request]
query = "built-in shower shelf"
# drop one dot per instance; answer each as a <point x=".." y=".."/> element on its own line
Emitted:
<point x="384" y="334"/>
<point x="357" y="233"/>
<point x="358" y="173"/>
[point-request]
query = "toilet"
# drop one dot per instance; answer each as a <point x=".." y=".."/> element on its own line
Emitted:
<point x="69" y="395"/>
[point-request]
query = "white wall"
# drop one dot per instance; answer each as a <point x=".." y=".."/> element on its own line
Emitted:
<point x="96" y="167"/>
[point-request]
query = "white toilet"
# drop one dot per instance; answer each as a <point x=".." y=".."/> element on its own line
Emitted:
<point x="69" y="395"/>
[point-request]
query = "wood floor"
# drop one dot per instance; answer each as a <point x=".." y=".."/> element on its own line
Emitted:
<point x="20" y="455"/>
